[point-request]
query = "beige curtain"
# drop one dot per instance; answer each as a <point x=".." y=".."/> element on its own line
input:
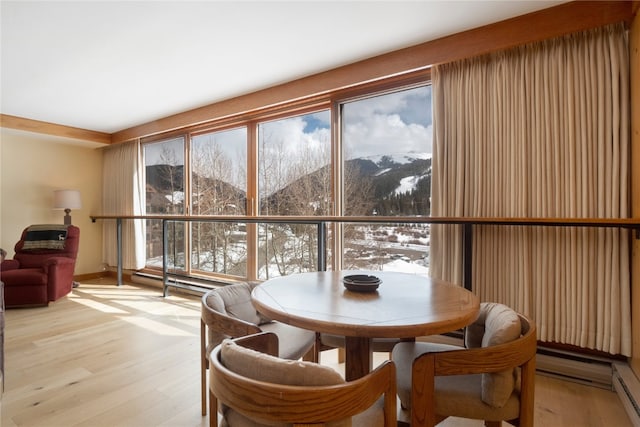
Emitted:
<point x="123" y="194"/>
<point x="540" y="131"/>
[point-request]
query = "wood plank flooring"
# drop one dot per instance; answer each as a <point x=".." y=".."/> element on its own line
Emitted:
<point x="126" y="356"/>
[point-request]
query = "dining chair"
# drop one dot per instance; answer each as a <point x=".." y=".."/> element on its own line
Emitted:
<point x="250" y="386"/>
<point x="227" y="312"/>
<point x="491" y="378"/>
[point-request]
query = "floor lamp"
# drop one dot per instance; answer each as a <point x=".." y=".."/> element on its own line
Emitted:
<point x="67" y="200"/>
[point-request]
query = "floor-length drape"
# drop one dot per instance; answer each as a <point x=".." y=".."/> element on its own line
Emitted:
<point x="541" y="130"/>
<point x="123" y="194"/>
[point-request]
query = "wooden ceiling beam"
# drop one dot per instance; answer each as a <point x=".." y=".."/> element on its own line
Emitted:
<point x="52" y="129"/>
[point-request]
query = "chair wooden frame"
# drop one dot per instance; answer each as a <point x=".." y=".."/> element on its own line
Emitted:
<point x="299" y="405"/>
<point x="519" y="353"/>
<point x="227" y="325"/>
<point x="232" y="327"/>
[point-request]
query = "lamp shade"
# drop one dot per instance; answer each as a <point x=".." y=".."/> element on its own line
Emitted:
<point x="66" y="199"/>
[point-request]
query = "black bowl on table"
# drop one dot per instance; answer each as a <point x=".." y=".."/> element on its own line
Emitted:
<point x="361" y="282"/>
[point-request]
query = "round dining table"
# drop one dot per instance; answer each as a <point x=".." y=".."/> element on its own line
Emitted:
<point x="403" y="306"/>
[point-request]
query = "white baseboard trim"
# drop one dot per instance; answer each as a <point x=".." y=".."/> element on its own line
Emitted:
<point x="627" y="385"/>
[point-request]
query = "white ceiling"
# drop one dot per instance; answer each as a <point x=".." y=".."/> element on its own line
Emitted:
<point x="110" y="65"/>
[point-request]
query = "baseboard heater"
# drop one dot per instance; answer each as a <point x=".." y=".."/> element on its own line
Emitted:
<point x="627" y="386"/>
<point x="595" y="371"/>
<point x="571" y="366"/>
<point x="191" y="284"/>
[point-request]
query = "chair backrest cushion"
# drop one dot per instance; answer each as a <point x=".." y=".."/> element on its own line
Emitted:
<point x="35" y="256"/>
<point x="496" y="324"/>
<point x="264" y="367"/>
<point x="234" y="300"/>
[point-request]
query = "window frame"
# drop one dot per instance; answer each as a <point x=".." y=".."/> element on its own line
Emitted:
<point x="331" y="101"/>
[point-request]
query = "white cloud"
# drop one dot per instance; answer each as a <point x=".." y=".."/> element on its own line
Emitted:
<point x="395" y="123"/>
<point x="289" y="134"/>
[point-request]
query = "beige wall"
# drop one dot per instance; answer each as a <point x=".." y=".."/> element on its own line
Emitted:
<point x="31" y="167"/>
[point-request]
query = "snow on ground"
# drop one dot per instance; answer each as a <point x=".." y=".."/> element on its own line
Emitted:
<point x="406" y="267"/>
<point x="407" y="240"/>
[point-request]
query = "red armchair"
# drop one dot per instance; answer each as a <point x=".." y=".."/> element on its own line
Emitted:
<point x="42" y="267"/>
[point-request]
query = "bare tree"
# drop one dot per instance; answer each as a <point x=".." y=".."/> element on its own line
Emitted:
<point x="169" y="199"/>
<point x="359" y="200"/>
<point x="213" y="193"/>
<point x="295" y="182"/>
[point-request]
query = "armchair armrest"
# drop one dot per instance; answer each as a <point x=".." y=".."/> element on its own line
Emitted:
<point x="9" y="264"/>
<point x="479" y="360"/>
<point x="484" y="360"/>
<point x="57" y="261"/>
<point x="228" y="325"/>
<point x="59" y="269"/>
<point x="60" y="275"/>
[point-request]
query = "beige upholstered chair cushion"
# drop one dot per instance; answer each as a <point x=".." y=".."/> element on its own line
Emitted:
<point x="459" y="395"/>
<point x="293" y="342"/>
<point x="263" y="367"/>
<point x="235" y="301"/>
<point x="403" y="355"/>
<point x="496" y="324"/>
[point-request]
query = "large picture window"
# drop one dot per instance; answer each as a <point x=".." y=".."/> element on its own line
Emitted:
<point x="377" y="163"/>
<point x="294" y="178"/>
<point x="387" y="171"/>
<point x="165" y="185"/>
<point x="219" y="187"/>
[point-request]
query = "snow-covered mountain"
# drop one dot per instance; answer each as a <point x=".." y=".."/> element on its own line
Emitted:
<point x="397" y="158"/>
<point x="397" y="184"/>
<point x="401" y="182"/>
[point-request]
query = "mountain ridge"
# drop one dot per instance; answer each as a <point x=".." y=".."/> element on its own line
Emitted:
<point x="398" y="184"/>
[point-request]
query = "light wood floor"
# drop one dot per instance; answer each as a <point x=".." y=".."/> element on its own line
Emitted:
<point x="126" y="356"/>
